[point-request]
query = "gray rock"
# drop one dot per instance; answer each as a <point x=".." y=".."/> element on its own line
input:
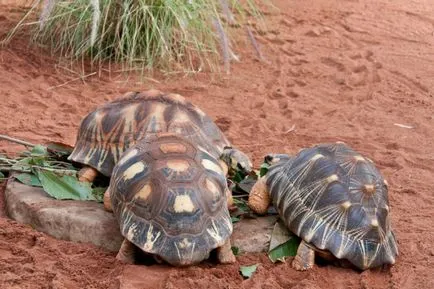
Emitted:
<point x="88" y="222"/>
<point x="78" y="221"/>
<point x="253" y="235"/>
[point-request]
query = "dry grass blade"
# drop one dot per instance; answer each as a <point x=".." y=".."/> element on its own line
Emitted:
<point x="15" y="140"/>
<point x="224" y="44"/>
<point x="95" y="21"/>
<point x="254" y="43"/>
<point x="47" y="8"/>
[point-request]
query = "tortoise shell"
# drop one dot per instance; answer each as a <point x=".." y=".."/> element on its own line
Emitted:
<point x="112" y="128"/>
<point x="170" y="198"/>
<point x="335" y="199"/>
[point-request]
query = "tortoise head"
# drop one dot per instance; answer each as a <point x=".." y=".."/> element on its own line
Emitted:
<point x="237" y="161"/>
<point x="273" y="158"/>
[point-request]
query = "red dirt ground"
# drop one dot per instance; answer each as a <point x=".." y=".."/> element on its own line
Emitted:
<point x="338" y="70"/>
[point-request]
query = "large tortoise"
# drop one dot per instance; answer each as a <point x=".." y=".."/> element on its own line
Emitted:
<point x="170" y="198"/>
<point x="112" y="128"/>
<point x="335" y="200"/>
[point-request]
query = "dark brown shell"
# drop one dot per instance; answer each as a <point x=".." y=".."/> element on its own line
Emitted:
<point x="334" y="198"/>
<point x="170" y="198"/>
<point x="112" y="128"/>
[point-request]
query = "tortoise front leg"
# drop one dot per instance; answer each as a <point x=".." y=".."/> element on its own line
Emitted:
<point x="107" y="201"/>
<point x="225" y="254"/>
<point x="87" y="174"/>
<point x="305" y="258"/>
<point x="126" y="253"/>
<point x="259" y="199"/>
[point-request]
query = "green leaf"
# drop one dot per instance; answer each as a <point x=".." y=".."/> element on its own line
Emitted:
<point x="65" y="187"/>
<point x="29" y="179"/>
<point x="23" y="164"/>
<point x="289" y="248"/>
<point x="235" y="219"/>
<point x="241" y="204"/>
<point x="247" y="271"/>
<point x="39" y="150"/>
<point x="98" y="193"/>
<point x="235" y="250"/>
<point x="2" y="176"/>
<point x="263" y="169"/>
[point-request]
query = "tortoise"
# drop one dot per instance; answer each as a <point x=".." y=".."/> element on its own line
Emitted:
<point x="112" y="128"/>
<point x="335" y="200"/>
<point x="170" y="197"/>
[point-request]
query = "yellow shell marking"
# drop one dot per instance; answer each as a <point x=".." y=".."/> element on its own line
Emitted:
<point x="212" y="187"/>
<point x="332" y="178"/>
<point x="133" y="170"/>
<point x="182" y="117"/>
<point x="317" y="157"/>
<point x="359" y="159"/>
<point x="177" y="97"/>
<point x="144" y="192"/>
<point x="150" y="239"/>
<point x="178" y="165"/>
<point x="374" y="222"/>
<point x="209" y="165"/>
<point x="345" y="205"/>
<point x="173" y="148"/>
<point x="158" y="111"/>
<point x="185" y="243"/>
<point x="368" y="189"/>
<point x="128" y="156"/>
<point x="182" y="204"/>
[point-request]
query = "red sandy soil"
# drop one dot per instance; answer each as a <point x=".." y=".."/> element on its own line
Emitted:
<point x="338" y="70"/>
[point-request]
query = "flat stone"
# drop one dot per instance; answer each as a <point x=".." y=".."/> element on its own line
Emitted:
<point x="253" y="235"/>
<point x="88" y="222"/>
<point x="78" y="221"/>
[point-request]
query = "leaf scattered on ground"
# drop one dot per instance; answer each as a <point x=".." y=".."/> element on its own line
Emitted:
<point x="98" y="193"/>
<point x="235" y="250"/>
<point x="281" y="252"/>
<point x="263" y="169"/>
<point x="65" y="187"/>
<point x="39" y="150"/>
<point x="247" y="271"/>
<point x="235" y="219"/>
<point x="28" y="179"/>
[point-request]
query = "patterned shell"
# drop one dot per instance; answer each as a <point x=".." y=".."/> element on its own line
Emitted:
<point x="112" y="128"/>
<point x="170" y="198"/>
<point x="334" y="198"/>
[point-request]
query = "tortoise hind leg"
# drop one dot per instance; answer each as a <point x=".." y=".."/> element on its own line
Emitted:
<point x="107" y="201"/>
<point x="87" y="174"/>
<point x="305" y="258"/>
<point x="259" y="199"/>
<point x="126" y="253"/>
<point x="225" y="254"/>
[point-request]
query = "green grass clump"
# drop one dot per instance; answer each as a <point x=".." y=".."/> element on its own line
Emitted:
<point x="180" y="35"/>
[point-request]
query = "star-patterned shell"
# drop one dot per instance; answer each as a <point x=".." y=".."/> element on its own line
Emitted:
<point x="336" y="199"/>
<point x="112" y="128"/>
<point x="170" y="198"/>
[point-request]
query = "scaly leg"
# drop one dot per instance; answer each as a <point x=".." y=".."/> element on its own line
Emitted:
<point x="126" y="253"/>
<point x="107" y="201"/>
<point x="305" y="258"/>
<point x="87" y="174"/>
<point x="225" y="254"/>
<point x="259" y="199"/>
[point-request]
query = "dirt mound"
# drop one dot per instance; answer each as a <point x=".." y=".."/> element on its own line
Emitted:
<point x="359" y="72"/>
